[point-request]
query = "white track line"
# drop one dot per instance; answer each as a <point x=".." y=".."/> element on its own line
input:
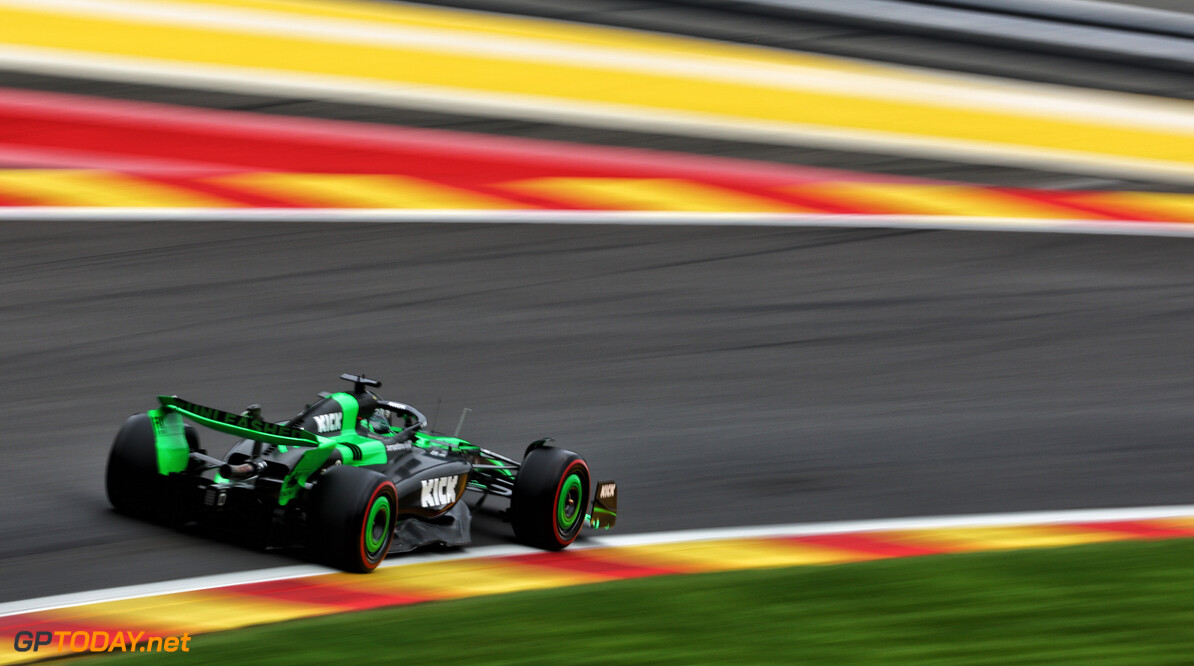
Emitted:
<point x="626" y="540"/>
<point x="660" y="218"/>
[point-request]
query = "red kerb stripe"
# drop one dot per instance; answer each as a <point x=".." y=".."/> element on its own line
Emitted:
<point x="869" y="544"/>
<point x="581" y="561"/>
<point x="297" y="591"/>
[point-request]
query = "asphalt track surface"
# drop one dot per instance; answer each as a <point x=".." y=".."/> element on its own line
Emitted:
<point x="723" y="376"/>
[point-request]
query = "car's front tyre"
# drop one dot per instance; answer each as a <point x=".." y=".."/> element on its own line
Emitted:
<point x="550" y="498"/>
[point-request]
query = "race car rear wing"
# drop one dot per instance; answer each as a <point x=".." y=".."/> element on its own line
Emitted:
<point x="174" y="454"/>
<point x="240" y="425"/>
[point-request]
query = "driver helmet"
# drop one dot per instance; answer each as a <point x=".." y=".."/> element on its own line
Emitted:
<point x="379" y="421"/>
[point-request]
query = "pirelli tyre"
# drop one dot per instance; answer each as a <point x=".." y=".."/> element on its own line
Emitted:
<point x="550" y="497"/>
<point x="133" y="483"/>
<point x="350" y="518"/>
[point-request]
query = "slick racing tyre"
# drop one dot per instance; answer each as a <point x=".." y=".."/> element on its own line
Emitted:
<point x="351" y="516"/>
<point x="550" y="498"/>
<point x="134" y="485"/>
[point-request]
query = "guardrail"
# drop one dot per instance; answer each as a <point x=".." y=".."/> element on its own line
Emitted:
<point x="1086" y="12"/>
<point x="1095" y="30"/>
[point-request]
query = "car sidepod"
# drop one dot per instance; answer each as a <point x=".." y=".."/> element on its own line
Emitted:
<point x="431" y="510"/>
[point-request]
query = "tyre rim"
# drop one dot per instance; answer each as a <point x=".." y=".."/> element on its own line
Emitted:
<point x="569" y="508"/>
<point x="377" y="526"/>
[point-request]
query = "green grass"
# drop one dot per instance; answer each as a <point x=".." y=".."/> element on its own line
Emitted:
<point x="1122" y="603"/>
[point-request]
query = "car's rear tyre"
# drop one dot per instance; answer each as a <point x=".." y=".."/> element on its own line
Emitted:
<point x="133" y="483"/>
<point x="550" y="498"/>
<point x="351" y="517"/>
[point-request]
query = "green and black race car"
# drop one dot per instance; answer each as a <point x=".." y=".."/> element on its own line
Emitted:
<point x="351" y="477"/>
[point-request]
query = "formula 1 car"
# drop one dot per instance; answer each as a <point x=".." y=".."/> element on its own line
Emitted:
<point x="351" y="477"/>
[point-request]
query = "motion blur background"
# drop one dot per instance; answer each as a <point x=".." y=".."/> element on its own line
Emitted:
<point x="723" y="374"/>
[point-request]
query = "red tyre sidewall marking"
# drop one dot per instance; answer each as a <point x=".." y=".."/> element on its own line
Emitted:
<point x="555" y="506"/>
<point x="365" y="526"/>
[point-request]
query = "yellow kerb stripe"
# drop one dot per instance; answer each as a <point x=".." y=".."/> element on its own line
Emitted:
<point x="655" y="194"/>
<point x="707" y="556"/>
<point x="561" y="32"/>
<point x="889" y="198"/>
<point x="465" y="578"/>
<point x="67" y="187"/>
<point x="11" y="656"/>
<point x="362" y="191"/>
<point x="1159" y="206"/>
<point x="1001" y="538"/>
<point x="1183" y="523"/>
